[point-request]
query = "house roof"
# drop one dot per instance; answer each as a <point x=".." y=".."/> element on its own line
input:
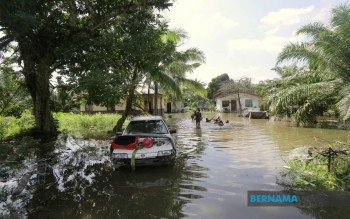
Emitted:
<point x="233" y="93"/>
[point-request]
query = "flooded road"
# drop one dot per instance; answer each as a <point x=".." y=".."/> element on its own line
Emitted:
<point x="214" y="169"/>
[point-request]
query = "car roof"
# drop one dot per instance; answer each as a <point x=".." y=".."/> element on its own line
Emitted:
<point x="140" y="118"/>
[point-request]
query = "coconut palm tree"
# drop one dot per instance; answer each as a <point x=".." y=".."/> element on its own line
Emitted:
<point x="326" y="79"/>
<point x="184" y="62"/>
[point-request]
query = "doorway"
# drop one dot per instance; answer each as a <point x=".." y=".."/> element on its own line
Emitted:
<point x="233" y="106"/>
<point x="168" y="107"/>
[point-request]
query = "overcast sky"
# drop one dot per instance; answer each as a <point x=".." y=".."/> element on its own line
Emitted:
<point x="243" y="37"/>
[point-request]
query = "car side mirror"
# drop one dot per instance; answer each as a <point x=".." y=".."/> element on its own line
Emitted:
<point x="173" y="131"/>
<point x="118" y="133"/>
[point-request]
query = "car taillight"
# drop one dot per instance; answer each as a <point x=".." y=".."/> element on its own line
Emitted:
<point x="147" y="142"/>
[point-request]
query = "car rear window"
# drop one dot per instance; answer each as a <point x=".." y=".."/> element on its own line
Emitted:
<point x="146" y="126"/>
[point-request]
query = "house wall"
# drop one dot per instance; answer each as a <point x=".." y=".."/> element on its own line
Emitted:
<point x="176" y="106"/>
<point x="121" y="106"/>
<point x="94" y="108"/>
<point x="234" y="97"/>
<point x="151" y="98"/>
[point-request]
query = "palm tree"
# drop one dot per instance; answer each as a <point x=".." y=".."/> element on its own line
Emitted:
<point x="183" y="62"/>
<point x="325" y="80"/>
<point x="302" y="92"/>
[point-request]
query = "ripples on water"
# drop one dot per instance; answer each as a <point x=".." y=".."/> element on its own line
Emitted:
<point x="214" y="169"/>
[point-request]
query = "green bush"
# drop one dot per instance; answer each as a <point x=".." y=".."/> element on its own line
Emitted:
<point x="10" y="125"/>
<point x="313" y="174"/>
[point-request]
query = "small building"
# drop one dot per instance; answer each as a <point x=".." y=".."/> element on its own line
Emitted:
<point x="146" y="104"/>
<point x="230" y="102"/>
<point x="174" y="106"/>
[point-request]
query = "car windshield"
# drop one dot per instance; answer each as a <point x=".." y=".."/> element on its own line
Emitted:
<point x="146" y="126"/>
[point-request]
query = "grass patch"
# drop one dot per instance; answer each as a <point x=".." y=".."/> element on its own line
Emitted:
<point x="78" y="125"/>
<point x="86" y="125"/>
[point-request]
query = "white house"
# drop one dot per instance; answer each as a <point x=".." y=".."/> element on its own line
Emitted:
<point x="230" y="102"/>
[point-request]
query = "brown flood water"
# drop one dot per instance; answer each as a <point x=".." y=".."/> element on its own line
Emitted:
<point x="214" y="169"/>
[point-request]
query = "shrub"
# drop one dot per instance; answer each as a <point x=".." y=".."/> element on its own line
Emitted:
<point x="10" y="125"/>
<point x="319" y="172"/>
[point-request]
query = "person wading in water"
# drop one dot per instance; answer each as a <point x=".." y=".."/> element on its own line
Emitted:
<point x="198" y="117"/>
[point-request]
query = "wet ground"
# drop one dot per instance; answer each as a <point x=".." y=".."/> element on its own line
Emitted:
<point x="214" y="169"/>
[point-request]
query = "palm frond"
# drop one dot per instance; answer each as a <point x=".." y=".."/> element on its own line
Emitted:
<point x="302" y="94"/>
<point x="295" y="52"/>
<point x="180" y="68"/>
<point x="312" y="30"/>
<point x="341" y="17"/>
<point x="167" y="81"/>
<point x="174" y="36"/>
<point x="195" y="86"/>
<point x="344" y="104"/>
<point x="191" y="55"/>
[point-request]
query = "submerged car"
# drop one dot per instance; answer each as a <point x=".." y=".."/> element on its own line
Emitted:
<point x="145" y="141"/>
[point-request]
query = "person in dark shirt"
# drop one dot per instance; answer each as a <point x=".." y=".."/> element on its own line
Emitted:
<point x="198" y="117"/>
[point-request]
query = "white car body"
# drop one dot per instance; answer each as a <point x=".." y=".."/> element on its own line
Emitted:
<point x="130" y="145"/>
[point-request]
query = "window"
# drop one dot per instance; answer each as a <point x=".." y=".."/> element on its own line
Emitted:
<point x="225" y="103"/>
<point x="88" y="108"/>
<point x="248" y="103"/>
<point x="146" y="126"/>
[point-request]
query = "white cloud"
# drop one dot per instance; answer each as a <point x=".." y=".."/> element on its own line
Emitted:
<point x="251" y="69"/>
<point x="286" y="16"/>
<point x="199" y="18"/>
<point x="219" y="21"/>
<point x="201" y="26"/>
<point x="321" y="15"/>
<point x="268" y="43"/>
<point x="272" y="31"/>
<point x="249" y="50"/>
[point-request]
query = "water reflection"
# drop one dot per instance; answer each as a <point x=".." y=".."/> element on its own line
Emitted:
<point x="214" y="169"/>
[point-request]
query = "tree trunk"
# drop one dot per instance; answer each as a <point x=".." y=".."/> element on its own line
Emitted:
<point x="129" y="100"/>
<point x="37" y="80"/>
<point x="119" y="126"/>
<point x="155" y="98"/>
<point x="239" y="103"/>
<point x="149" y="98"/>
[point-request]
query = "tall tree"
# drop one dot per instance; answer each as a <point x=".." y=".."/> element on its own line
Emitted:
<point x="45" y="30"/>
<point x="143" y="59"/>
<point x="182" y="62"/>
<point x="214" y="85"/>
